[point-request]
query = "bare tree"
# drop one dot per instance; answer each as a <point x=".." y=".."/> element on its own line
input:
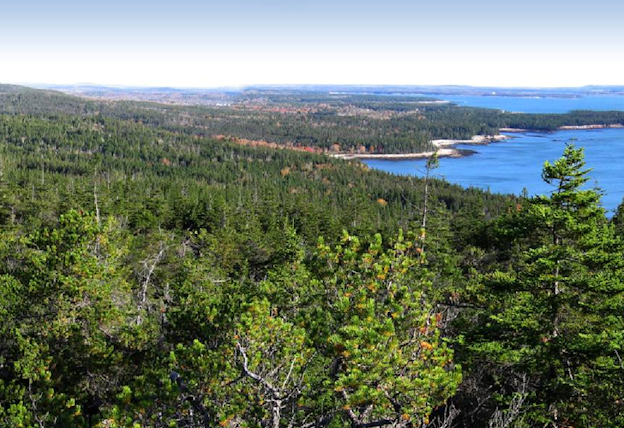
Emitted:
<point x="149" y="265"/>
<point x="510" y="417"/>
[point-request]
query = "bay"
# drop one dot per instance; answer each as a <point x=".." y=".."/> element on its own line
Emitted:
<point x="516" y="164"/>
<point x="531" y="104"/>
<point x="539" y="104"/>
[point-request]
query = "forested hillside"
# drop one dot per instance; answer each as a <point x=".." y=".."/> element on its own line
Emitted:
<point x="151" y="276"/>
<point x="314" y="121"/>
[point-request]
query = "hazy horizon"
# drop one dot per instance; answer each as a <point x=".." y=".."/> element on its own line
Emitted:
<point x="209" y="44"/>
<point x="299" y="85"/>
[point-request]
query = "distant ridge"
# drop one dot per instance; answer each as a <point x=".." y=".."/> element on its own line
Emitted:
<point x="208" y="95"/>
<point x="15" y="99"/>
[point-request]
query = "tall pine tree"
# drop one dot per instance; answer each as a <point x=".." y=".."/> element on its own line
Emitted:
<point x="553" y="306"/>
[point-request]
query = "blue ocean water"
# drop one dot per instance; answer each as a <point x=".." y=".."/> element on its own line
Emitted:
<point x="539" y="104"/>
<point x="512" y="165"/>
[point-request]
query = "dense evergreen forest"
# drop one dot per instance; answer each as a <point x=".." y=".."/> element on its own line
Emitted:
<point x="154" y="276"/>
<point x="314" y="121"/>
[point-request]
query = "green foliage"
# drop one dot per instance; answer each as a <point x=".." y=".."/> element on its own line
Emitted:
<point x="315" y="121"/>
<point x="554" y="307"/>
<point x="66" y="292"/>
<point x="153" y="277"/>
<point x="390" y="361"/>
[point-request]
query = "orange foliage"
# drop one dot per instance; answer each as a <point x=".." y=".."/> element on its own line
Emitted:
<point x="426" y="345"/>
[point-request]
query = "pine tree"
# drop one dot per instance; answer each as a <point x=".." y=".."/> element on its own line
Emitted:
<point x="391" y="367"/>
<point x="554" y="308"/>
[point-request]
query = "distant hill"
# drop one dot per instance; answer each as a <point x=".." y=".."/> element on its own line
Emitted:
<point x="23" y="100"/>
<point x="432" y="90"/>
<point x="309" y="118"/>
<point x="167" y="95"/>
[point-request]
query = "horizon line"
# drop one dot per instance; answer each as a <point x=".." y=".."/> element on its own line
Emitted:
<point x="289" y="85"/>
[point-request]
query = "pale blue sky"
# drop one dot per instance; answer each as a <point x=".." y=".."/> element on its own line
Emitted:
<point x="236" y="42"/>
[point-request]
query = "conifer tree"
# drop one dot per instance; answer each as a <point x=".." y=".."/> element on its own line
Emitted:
<point x="390" y="365"/>
<point x="553" y="309"/>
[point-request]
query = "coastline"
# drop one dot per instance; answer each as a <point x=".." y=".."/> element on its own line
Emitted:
<point x="445" y="147"/>
<point x="564" y="128"/>
<point x="614" y="126"/>
<point x="447" y="153"/>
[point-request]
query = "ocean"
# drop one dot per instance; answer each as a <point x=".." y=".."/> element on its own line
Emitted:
<point x="513" y="165"/>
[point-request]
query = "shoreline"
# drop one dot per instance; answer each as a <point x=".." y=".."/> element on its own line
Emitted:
<point x="563" y="128"/>
<point x="443" y="153"/>
<point x="445" y="147"/>
<point x="582" y="127"/>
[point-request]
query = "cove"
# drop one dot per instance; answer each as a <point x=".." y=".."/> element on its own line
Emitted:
<point x="541" y="105"/>
<point x="516" y="164"/>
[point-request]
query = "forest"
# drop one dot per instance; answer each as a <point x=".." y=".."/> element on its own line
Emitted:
<point x="153" y="275"/>
<point x="318" y="122"/>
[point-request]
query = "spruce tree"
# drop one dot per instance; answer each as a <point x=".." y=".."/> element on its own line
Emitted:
<point x="553" y="307"/>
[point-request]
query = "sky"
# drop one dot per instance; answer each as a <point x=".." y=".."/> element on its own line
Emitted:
<point x="195" y="43"/>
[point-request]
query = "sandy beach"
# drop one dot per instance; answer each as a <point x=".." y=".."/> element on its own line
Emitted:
<point x="616" y="126"/>
<point x="444" y="149"/>
<point x="513" y="130"/>
<point x="398" y="156"/>
<point x="445" y="146"/>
